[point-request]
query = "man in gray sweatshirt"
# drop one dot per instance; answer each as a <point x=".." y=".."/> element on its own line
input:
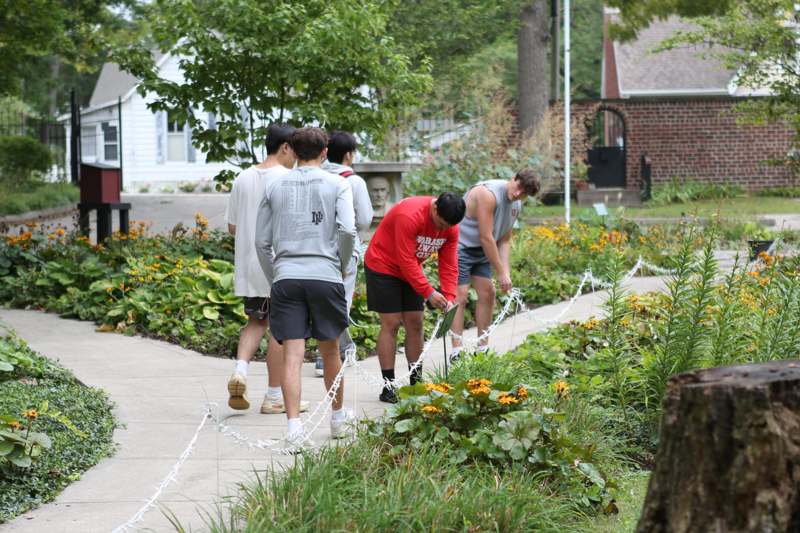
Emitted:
<point x="341" y="152"/>
<point x="306" y="219"/>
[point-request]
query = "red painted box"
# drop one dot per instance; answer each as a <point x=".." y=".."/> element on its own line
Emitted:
<point x="100" y="184"/>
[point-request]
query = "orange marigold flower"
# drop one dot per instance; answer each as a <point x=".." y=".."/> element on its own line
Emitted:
<point x="61" y="231"/>
<point x="444" y="388"/>
<point x="482" y="382"/>
<point x="561" y="387"/>
<point x="507" y="399"/>
<point x="522" y="392"/>
<point x="483" y="389"/>
<point x="14" y="425"/>
<point x="431" y="409"/>
<point x="31" y="414"/>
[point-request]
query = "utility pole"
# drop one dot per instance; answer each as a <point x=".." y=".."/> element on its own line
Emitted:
<point x="555" y="54"/>
<point x="567" y="132"/>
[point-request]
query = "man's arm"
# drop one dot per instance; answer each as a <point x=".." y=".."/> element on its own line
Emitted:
<point x="361" y="202"/>
<point x="448" y="264"/>
<point x="486" y="203"/>
<point x="405" y="241"/>
<point x="264" y="238"/>
<point x="345" y="223"/>
<point x="504" y="249"/>
<point x="232" y="209"/>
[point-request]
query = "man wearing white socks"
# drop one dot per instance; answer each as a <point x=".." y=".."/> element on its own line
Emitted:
<point x="307" y="219"/>
<point x="249" y="281"/>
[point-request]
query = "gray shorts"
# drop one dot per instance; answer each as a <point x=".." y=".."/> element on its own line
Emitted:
<point x="302" y="309"/>
<point x="472" y="261"/>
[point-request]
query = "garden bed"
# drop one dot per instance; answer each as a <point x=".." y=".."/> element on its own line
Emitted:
<point x="52" y="428"/>
<point x="555" y="435"/>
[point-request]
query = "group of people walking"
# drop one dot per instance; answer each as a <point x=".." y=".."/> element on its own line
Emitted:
<point x="296" y="218"/>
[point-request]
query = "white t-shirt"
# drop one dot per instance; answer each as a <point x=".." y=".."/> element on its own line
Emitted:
<point x="243" y="203"/>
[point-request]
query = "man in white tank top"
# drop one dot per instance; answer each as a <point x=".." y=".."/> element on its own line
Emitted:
<point x="484" y="244"/>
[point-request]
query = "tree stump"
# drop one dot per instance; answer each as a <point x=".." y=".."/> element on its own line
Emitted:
<point x="728" y="459"/>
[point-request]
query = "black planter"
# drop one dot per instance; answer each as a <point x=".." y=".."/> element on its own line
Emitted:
<point x="756" y="247"/>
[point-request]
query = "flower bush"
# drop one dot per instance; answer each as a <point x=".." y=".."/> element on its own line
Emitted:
<point x="479" y="420"/>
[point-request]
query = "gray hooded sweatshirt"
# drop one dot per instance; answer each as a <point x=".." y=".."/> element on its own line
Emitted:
<point x="306" y="220"/>
<point x="361" y="202"/>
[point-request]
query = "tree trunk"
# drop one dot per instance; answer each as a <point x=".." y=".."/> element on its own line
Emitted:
<point x="532" y="65"/>
<point x="729" y="454"/>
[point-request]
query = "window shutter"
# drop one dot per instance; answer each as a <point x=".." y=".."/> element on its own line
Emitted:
<point x="191" y="157"/>
<point x="161" y="137"/>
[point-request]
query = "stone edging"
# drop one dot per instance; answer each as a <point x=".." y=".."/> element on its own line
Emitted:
<point x="38" y="216"/>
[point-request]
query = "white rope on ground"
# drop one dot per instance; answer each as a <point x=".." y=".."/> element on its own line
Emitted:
<point x="170" y="477"/>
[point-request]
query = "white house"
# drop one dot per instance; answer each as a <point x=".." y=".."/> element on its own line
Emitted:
<point x="153" y="150"/>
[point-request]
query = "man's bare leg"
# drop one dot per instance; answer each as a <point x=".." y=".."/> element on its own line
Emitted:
<point x="412" y="321"/>
<point x="249" y="340"/>
<point x="387" y="347"/>
<point x="458" y="321"/>
<point x="329" y="350"/>
<point x="485" y="306"/>
<point x="293" y="351"/>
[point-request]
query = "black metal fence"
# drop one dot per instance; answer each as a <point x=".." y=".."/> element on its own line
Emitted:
<point x="50" y="133"/>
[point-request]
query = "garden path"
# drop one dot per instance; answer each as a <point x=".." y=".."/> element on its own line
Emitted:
<point x="159" y="391"/>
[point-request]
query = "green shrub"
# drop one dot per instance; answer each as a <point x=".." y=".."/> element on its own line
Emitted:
<point x="35" y="196"/>
<point x="187" y="186"/>
<point x="680" y="191"/>
<point x="21" y="157"/>
<point x="782" y="192"/>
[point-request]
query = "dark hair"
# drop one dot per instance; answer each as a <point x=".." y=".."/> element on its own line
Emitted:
<point x="308" y="143"/>
<point x="277" y="134"/>
<point x="530" y="183"/>
<point x="339" y="144"/>
<point x="451" y="207"/>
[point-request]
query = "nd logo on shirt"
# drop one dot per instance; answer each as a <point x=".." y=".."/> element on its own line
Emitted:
<point x="427" y="245"/>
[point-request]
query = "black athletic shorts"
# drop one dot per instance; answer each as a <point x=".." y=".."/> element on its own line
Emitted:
<point x="388" y="294"/>
<point x="303" y="308"/>
<point x="256" y="307"/>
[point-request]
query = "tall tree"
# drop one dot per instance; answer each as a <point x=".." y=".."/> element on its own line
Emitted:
<point x="532" y="64"/>
<point x="250" y="63"/>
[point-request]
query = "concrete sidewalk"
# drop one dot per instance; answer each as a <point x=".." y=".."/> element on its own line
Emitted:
<point x="160" y="391"/>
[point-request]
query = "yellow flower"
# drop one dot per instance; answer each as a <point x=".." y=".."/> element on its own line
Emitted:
<point x="60" y="232"/>
<point x="522" y="392"/>
<point x="14" y="425"/>
<point x="482" y="382"/>
<point x="444" y="388"/>
<point x="31" y="414"/>
<point x="483" y="389"/>
<point x="507" y="399"/>
<point x="431" y="409"/>
<point x="561" y="387"/>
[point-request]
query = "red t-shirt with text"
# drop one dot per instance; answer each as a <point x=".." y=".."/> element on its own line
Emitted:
<point x="405" y="238"/>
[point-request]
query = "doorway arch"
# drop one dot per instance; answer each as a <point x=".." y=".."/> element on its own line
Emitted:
<point x="606" y="157"/>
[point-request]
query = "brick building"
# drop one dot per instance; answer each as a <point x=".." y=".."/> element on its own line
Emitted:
<point x="677" y="108"/>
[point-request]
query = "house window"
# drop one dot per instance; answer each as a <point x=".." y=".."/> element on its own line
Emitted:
<point x="89" y="142"/>
<point x="176" y="140"/>
<point x="110" y="141"/>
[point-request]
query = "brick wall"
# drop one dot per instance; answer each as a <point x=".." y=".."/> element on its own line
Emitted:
<point x="694" y="139"/>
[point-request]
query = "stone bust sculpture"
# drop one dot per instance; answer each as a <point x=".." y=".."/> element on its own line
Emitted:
<point x="379" y="189"/>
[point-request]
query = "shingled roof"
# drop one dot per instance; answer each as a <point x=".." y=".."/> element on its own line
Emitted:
<point x="642" y="71"/>
<point x="114" y="83"/>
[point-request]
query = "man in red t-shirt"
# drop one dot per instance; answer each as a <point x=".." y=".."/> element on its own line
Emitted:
<point x="397" y="289"/>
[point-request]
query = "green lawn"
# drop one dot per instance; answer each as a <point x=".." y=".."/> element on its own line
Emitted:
<point x="736" y="207"/>
<point x="36" y="196"/>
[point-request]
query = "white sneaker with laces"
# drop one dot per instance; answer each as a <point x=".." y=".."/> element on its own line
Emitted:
<point x="343" y="427"/>
<point x="296" y="442"/>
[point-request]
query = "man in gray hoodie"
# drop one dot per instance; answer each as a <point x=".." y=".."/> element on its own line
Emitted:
<point x="307" y="220"/>
<point x="341" y="152"/>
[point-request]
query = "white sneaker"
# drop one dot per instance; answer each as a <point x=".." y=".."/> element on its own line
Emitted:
<point x="343" y="427"/>
<point x="273" y="406"/>
<point x="296" y="442"/>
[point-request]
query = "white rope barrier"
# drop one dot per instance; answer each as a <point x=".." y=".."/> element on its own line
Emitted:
<point x="167" y="481"/>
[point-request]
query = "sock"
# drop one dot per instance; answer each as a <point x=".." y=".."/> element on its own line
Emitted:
<point x="482" y="349"/>
<point x="338" y="415"/>
<point x="273" y="393"/>
<point x="241" y="366"/>
<point x="416" y="374"/>
<point x="456" y="351"/>
<point x="295" y="425"/>
<point x="387" y="374"/>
